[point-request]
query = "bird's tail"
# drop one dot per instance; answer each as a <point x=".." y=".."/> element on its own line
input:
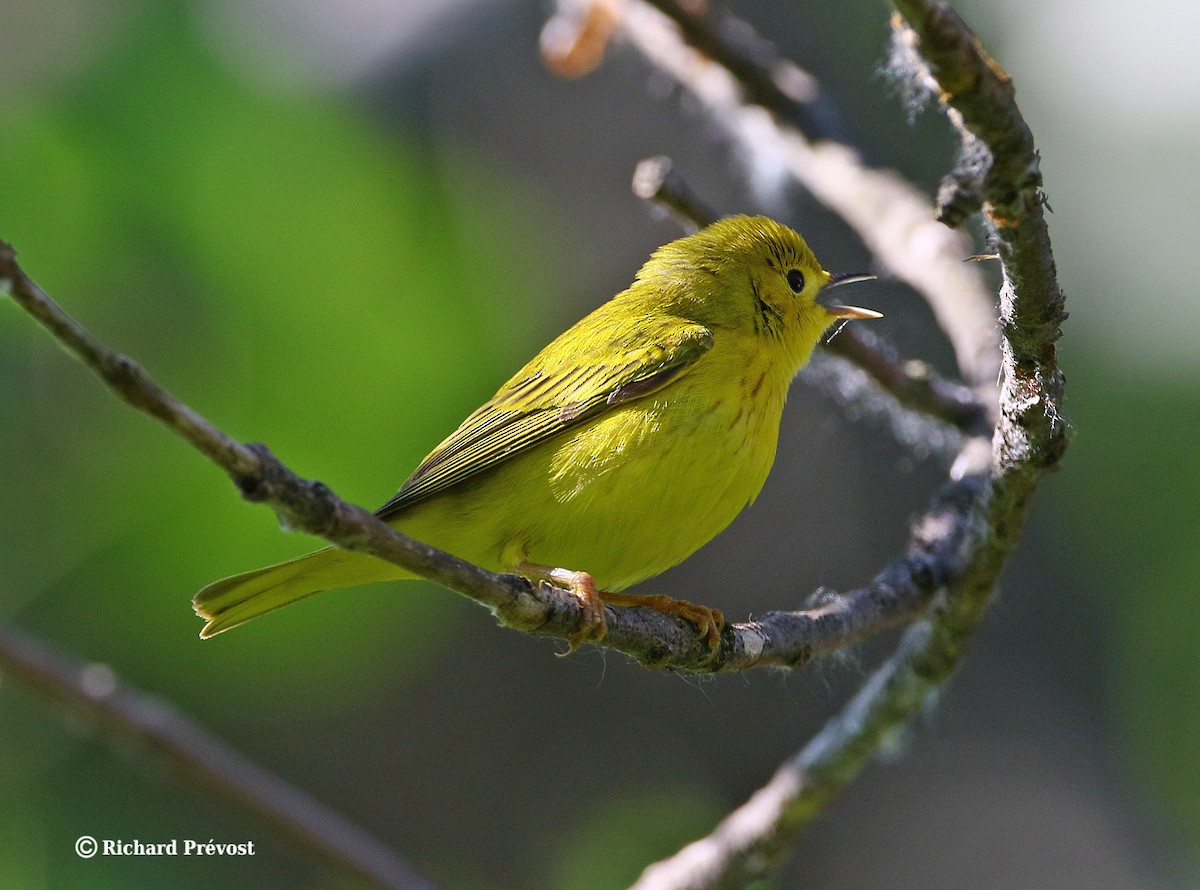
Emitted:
<point x="238" y="598"/>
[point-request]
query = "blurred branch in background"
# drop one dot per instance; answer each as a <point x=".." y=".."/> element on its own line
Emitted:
<point x="147" y="722"/>
<point x="991" y="482"/>
<point x="768" y="78"/>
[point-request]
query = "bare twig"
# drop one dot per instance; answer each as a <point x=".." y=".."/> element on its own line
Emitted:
<point x="913" y="382"/>
<point x="656" y="180"/>
<point x="769" y="79"/>
<point x="751" y="841"/>
<point x="203" y="759"/>
<point x="301" y="504"/>
<point x="654" y="639"/>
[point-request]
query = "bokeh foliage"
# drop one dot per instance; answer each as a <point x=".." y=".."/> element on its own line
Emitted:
<point x="1131" y="500"/>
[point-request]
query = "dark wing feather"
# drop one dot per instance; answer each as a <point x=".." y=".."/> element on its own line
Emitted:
<point x="553" y="393"/>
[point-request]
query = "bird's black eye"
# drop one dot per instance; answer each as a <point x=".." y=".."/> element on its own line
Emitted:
<point x="795" y="280"/>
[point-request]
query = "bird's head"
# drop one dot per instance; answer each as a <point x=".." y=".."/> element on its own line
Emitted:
<point x="755" y="275"/>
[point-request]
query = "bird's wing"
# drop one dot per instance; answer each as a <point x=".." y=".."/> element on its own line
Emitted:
<point x="558" y="390"/>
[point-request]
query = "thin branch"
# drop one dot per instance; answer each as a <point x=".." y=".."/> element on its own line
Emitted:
<point x="769" y="79"/>
<point x="1029" y="441"/>
<point x="754" y="839"/>
<point x="652" y="638"/>
<point x="203" y="759"/>
<point x="912" y="382"/>
<point x="657" y="181"/>
<point x="861" y="399"/>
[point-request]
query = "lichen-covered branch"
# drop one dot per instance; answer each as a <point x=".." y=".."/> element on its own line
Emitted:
<point x="751" y="842"/>
<point x="981" y="99"/>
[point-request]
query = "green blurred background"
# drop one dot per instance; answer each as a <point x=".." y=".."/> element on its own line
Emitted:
<point x="337" y="230"/>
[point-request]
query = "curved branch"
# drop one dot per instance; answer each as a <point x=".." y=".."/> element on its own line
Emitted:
<point x="1029" y="441"/>
<point x="750" y="842"/>
<point x="979" y="97"/>
<point x="203" y="759"/>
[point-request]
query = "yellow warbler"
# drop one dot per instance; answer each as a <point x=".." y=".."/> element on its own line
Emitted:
<point x="624" y="446"/>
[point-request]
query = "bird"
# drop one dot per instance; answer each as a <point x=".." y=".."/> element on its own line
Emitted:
<point x="625" y="445"/>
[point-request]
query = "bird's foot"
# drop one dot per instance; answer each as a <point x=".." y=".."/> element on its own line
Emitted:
<point x="709" y="622"/>
<point x="581" y="586"/>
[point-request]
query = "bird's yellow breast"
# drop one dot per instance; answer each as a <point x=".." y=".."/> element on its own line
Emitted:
<point x="633" y="492"/>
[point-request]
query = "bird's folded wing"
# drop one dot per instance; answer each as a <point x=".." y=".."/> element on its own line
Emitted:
<point x="559" y="389"/>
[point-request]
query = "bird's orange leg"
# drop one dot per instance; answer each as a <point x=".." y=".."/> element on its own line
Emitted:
<point x="708" y="621"/>
<point x="583" y="588"/>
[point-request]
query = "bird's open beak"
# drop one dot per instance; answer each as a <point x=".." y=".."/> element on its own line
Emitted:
<point x="839" y="309"/>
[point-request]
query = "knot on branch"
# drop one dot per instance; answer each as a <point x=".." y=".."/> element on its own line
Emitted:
<point x="124" y="372"/>
<point x="300" y="504"/>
